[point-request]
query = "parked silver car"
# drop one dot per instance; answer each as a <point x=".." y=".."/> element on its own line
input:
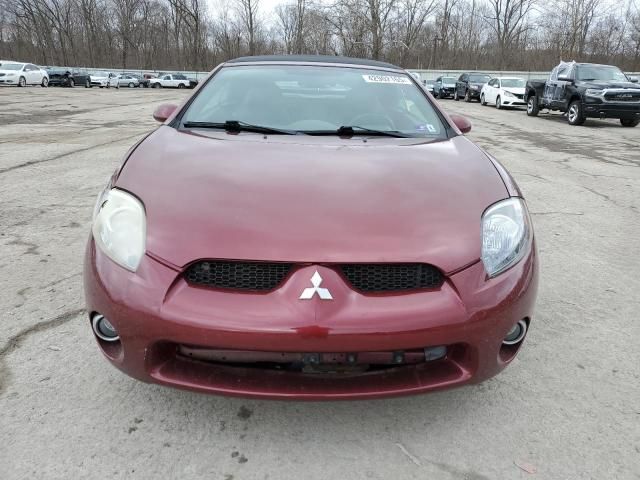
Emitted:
<point x="128" y="80"/>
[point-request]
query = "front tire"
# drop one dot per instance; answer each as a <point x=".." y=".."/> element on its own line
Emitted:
<point x="181" y="85"/>
<point x="483" y="102"/>
<point x="455" y="95"/>
<point x="22" y="82"/>
<point x="467" y="96"/>
<point x="498" y="102"/>
<point x="131" y="85"/>
<point x="575" y="114"/>
<point x="629" y="122"/>
<point x="71" y="83"/>
<point x="45" y="82"/>
<point x="533" y="108"/>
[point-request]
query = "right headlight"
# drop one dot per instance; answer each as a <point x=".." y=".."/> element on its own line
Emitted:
<point x="594" y="92"/>
<point x="506" y="235"/>
<point x="119" y="228"/>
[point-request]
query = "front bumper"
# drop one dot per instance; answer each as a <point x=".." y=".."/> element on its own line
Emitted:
<point x="596" y="108"/>
<point x="58" y="82"/>
<point x="512" y="101"/>
<point x="159" y="316"/>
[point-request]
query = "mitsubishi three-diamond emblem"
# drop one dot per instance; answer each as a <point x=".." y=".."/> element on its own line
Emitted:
<point x="323" y="293"/>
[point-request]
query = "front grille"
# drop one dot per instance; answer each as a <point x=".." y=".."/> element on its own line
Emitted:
<point x="633" y="96"/>
<point x="390" y="277"/>
<point x="519" y="95"/>
<point x="250" y="276"/>
<point x="267" y="276"/>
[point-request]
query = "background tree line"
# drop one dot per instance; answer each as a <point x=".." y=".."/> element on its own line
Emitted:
<point x="442" y="34"/>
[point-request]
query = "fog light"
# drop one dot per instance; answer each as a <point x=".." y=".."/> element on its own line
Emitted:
<point x="103" y="328"/>
<point x="434" y="353"/>
<point x="516" y="334"/>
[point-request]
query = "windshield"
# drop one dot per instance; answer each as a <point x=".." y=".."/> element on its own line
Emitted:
<point x="600" y="72"/>
<point x="11" y="66"/>
<point x="316" y="99"/>
<point x="513" y="82"/>
<point x="448" y="80"/>
<point x="479" y="78"/>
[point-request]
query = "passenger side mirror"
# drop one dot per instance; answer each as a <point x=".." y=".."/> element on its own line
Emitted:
<point x="163" y="112"/>
<point x="463" y="124"/>
<point x="633" y="79"/>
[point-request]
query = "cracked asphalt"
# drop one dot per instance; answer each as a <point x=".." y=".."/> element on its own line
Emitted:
<point x="567" y="408"/>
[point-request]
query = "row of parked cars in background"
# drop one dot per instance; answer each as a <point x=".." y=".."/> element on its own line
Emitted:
<point x="22" y="74"/>
<point x="578" y="90"/>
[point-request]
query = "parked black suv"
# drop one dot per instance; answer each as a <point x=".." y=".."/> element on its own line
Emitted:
<point x="444" y="87"/>
<point x="586" y="90"/>
<point x="469" y="85"/>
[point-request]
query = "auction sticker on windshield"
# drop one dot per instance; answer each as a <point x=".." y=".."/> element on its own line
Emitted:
<point x="386" y="79"/>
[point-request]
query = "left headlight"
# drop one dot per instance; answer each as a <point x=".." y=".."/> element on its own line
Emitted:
<point x="508" y="94"/>
<point x="594" y="92"/>
<point x="119" y="228"/>
<point x="506" y="235"/>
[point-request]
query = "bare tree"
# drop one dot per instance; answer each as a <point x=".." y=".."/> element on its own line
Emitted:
<point x="507" y="20"/>
<point x="248" y="12"/>
<point x="453" y="34"/>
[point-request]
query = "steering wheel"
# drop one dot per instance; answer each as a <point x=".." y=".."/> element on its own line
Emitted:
<point x="369" y="119"/>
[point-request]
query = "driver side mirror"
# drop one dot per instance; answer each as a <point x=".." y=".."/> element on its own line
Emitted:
<point x="563" y="78"/>
<point x="463" y="124"/>
<point x="633" y="79"/>
<point x="163" y="112"/>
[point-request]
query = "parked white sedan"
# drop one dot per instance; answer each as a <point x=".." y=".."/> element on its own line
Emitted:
<point x="22" y="74"/>
<point x="503" y="92"/>
<point x="104" y="79"/>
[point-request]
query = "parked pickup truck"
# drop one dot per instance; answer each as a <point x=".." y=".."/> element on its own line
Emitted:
<point x="586" y="90"/>
<point x="170" y="81"/>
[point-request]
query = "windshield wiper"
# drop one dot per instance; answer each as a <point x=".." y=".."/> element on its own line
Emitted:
<point x="238" y="126"/>
<point x="351" y="130"/>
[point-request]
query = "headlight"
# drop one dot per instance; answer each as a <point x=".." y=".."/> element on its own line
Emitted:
<point x="594" y="92"/>
<point x="11" y="74"/>
<point x="119" y="228"/>
<point x="474" y="87"/>
<point x="508" y="94"/>
<point x="506" y="235"/>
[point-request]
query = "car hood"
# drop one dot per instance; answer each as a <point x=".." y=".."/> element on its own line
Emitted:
<point x="449" y="85"/>
<point x="311" y="199"/>
<point x="514" y="90"/>
<point x="607" y="84"/>
<point x="9" y="71"/>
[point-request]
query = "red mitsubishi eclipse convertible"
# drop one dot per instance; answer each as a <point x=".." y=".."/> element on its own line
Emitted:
<point x="310" y="228"/>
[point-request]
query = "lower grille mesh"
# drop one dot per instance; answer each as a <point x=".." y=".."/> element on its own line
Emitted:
<point x="251" y="276"/>
<point x="390" y="277"/>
